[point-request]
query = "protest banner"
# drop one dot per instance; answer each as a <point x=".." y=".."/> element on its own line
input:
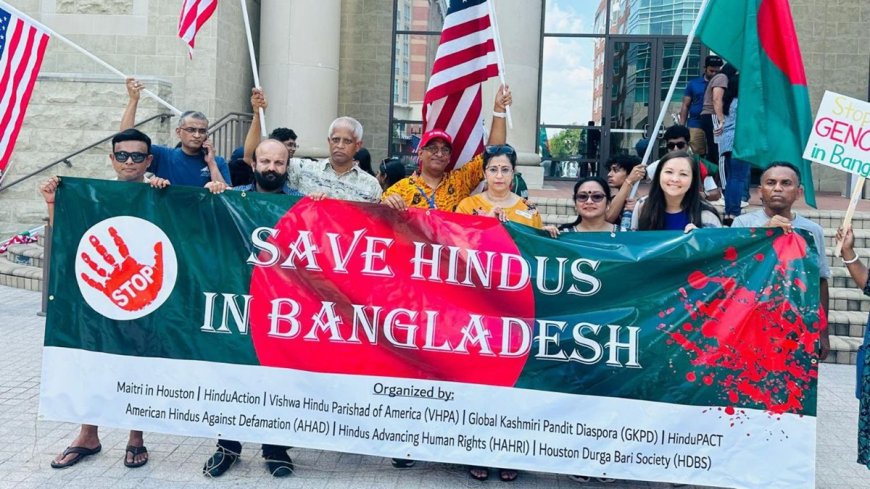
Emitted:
<point x="434" y="336"/>
<point x="841" y="139"/>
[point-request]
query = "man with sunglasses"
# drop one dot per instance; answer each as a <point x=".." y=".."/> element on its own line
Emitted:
<point x="194" y="162"/>
<point x="436" y="187"/>
<point x="130" y="157"/>
<point x="677" y="139"/>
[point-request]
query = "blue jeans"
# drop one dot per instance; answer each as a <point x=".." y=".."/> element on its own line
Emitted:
<point x="737" y="172"/>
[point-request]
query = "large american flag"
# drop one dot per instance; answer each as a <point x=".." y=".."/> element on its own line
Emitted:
<point x="22" y="46"/>
<point x="465" y="59"/>
<point x="194" y="13"/>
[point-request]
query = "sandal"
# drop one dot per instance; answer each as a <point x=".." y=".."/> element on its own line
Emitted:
<point x="403" y="463"/>
<point x="478" y="473"/>
<point x="80" y="452"/>
<point x="135" y="451"/>
<point x="508" y="475"/>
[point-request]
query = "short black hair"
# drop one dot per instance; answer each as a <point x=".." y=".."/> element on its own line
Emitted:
<point x="624" y="162"/>
<point x="283" y="134"/>
<point x="676" y="132"/>
<point x="131" y="135"/>
<point x="713" y="60"/>
<point x="785" y="164"/>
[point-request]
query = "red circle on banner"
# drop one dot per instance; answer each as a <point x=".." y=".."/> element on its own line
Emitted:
<point x="419" y="332"/>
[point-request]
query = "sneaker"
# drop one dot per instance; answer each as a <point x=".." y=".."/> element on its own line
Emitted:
<point x="219" y="463"/>
<point x="744" y="204"/>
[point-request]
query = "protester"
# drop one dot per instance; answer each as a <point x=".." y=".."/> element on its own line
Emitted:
<point x="693" y="104"/>
<point x="390" y="172"/>
<point x="736" y="170"/>
<point x="194" y="162"/>
<point x="859" y="273"/>
<point x="780" y="188"/>
<point x="130" y="157"/>
<point x="592" y="198"/>
<point x="435" y="187"/>
<point x="674" y="201"/>
<point x="677" y="139"/>
<point x="624" y="171"/>
<point x="254" y="135"/>
<point x="499" y="164"/>
<point x="712" y="116"/>
<point x="364" y="160"/>
<point x="270" y="174"/>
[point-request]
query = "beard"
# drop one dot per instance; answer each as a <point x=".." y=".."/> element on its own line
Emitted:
<point x="270" y="181"/>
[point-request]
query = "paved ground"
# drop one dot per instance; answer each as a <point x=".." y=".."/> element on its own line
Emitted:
<point x="27" y="446"/>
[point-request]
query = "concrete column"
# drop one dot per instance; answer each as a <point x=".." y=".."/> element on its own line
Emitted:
<point x="521" y="44"/>
<point x="299" y="55"/>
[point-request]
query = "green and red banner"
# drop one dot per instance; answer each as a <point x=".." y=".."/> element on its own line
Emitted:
<point x="774" y="118"/>
<point x="434" y="336"/>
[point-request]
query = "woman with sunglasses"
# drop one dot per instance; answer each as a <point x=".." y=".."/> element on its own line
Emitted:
<point x="591" y="199"/>
<point x="674" y="201"/>
<point x="499" y="163"/>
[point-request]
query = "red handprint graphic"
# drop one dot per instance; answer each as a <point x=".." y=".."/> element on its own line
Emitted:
<point x="130" y="285"/>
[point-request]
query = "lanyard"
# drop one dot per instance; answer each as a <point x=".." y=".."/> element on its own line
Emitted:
<point x="430" y="200"/>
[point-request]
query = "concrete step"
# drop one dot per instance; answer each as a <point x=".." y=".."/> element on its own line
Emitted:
<point x="30" y="254"/>
<point x="20" y="276"/>
<point x="862" y="237"/>
<point x="837" y="261"/>
<point x="844" y="350"/>
<point x="847" y="323"/>
<point x="40" y="239"/>
<point x="848" y="299"/>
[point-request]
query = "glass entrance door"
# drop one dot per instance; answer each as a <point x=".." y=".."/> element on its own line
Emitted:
<point x="639" y="73"/>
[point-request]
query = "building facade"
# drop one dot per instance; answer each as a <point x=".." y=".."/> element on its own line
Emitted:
<point x="588" y="76"/>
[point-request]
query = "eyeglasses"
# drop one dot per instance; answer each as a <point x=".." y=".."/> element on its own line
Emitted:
<point x="444" y="150"/>
<point x="499" y="149"/>
<point x="194" y="130"/>
<point x="583" y="197"/>
<point x="677" y="145"/>
<point x="292" y="145"/>
<point x="122" y="156"/>
<point x="495" y="170"/>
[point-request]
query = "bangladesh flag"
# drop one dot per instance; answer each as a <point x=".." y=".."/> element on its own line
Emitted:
<point x="774" y="119"/>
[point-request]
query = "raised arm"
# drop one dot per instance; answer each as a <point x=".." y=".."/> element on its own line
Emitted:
<point x="614" y="210"/>
<point x="128" y="120"/>
<point x="258" y="100"/>
<point x="498" y="130"/>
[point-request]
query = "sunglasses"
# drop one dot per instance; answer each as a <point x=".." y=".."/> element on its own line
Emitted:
<point x="583" y="197"/>
<point x="122" y="156"/>
<point x="499" y="149"/>
<point x="679" y="145"/>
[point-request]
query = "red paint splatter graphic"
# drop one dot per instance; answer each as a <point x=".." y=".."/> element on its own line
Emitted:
<point x="754" y="345"/>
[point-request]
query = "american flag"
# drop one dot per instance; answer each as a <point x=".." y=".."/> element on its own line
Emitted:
<point x="465" y="59"/>
<point x="22" y="46"/>
<point x="194" y="13"/>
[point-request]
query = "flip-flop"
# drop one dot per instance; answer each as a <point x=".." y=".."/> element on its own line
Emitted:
<point x="80" y="452"/>
<point x="135" y="451"/>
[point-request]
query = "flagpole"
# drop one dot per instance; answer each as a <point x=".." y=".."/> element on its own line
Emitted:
<point x="626" y="216"/>
<point x="87" y="53"/>
<point x="499" y="57"/>
<point x="262" y="113"/>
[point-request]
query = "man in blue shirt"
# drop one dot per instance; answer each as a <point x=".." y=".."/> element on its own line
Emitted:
<point x="693" y="103"/>
<point x="194" y="162"/>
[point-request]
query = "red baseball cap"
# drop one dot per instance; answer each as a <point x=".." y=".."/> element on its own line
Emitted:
<point x="435" y="134"/>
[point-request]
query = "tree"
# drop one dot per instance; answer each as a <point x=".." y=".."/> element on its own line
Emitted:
<point x="567" y="143"/>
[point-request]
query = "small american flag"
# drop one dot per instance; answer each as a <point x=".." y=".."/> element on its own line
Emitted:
<point x="465" y="59"/>
<point x="22" y="46"/>
<point x="194" y="13"/>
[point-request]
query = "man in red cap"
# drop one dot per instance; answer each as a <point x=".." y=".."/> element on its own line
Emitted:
<point x="435" y="187"/>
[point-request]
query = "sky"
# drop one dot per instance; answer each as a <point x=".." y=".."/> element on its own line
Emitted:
<point x="567" y="81"/>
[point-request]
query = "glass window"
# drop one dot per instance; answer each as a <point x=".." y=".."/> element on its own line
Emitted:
<point x="571" y="85"/>
<point x="412" y="72"/>
<point x="421" y="15"/>
<point x="653" y="17"/>
<point x="575" y="16"/>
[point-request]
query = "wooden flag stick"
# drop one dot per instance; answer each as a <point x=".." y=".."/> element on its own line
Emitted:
<point x="847" y="221"/>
